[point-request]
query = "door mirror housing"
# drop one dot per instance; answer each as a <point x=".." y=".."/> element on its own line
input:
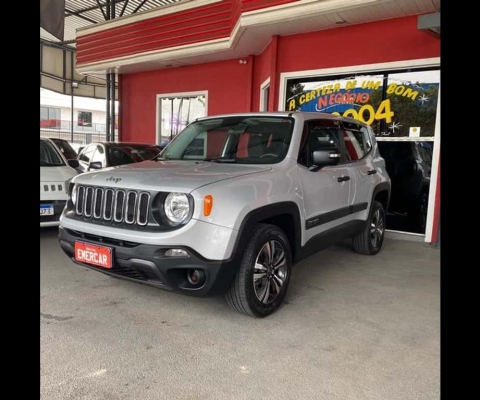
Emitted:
<point x="95" y="165"/>
<point x="324" y="157"/>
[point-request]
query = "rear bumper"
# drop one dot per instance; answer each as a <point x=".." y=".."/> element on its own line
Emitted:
<point x="147" y="264"/>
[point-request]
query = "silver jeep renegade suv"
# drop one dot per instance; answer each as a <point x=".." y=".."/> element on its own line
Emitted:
<point x="231" y="204"/>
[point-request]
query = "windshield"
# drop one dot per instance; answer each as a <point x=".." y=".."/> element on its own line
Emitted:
<point x="49" y="156"/>
<point x="131" y="153"/>
<point x="239" y="139"/>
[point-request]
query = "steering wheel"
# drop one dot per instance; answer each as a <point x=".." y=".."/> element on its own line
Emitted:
<point x="269" y="155"/>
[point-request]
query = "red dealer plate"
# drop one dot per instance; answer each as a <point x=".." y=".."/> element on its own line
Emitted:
<point x="100" y="256"/>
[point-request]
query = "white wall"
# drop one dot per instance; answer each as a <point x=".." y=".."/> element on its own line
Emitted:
<point x="95" y="106"/>
<point x="98" y="117"/>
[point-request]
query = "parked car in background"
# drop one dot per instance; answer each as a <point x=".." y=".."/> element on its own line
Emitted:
<point x="54" y="177"/>
<point x="409" y="165"/>
<point x="78" y="147"/>
<point x="100" y="155"/>
<point x="65" y="147"/>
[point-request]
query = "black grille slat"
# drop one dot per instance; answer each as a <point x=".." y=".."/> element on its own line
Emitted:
<point x="97" y="208"/>
<point x="128" y="272"/>
<point x="89" y="202"/>
<point x="117" y="205"/>
<point x="142" y="211"/>
<point x="108" y="207"/>
<point x="80" y="199"/>
<point x="130" y="207"/>
<point x="49" y="218"/>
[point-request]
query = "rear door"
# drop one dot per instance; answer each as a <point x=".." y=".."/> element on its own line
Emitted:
<point x="361" y="167"/>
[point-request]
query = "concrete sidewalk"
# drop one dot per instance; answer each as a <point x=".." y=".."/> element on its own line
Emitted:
<point x="353" y="328"/>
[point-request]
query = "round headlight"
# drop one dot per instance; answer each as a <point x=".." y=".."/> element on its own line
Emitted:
<point x="177" y="207"/>
<point x="74" y="194"/>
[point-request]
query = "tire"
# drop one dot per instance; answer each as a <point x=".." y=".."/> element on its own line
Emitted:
<point x="370" y="240"/>
<point x="261" y="281"/>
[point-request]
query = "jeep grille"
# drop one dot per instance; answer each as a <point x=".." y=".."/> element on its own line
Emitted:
<point x="128" y="206"/>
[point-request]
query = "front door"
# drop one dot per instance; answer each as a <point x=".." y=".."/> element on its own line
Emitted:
<point x="325" y="192"/>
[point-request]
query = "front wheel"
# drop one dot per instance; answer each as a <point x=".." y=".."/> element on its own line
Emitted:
<point x="264" y="273"/>
<point x="370" y="240"/>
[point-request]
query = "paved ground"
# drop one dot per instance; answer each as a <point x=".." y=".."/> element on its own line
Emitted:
<point x="353" y="327"/>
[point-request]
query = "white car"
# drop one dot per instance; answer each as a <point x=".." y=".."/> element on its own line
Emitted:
<point x="55" y="175"/>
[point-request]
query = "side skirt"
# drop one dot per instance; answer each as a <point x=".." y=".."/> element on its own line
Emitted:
<point x="331" y="237"/>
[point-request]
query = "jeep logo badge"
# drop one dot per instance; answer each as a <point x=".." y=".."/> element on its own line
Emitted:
<point x="114" y="180"/>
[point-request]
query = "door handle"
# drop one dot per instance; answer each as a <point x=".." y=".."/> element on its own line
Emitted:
<point x="372" y="172"/>
<point x="343" y="179"/>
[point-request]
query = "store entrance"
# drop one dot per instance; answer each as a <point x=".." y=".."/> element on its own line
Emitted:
<point x="409" y="165"/>
<point x="401" y="106"/>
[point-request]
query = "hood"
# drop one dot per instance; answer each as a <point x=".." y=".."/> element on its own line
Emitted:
<point x="56" y="174"/>
<point x="181" y="176"/>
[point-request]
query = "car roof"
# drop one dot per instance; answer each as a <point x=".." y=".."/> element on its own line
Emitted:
<point x="124" y="144"/>
<point x="286" y="114"/>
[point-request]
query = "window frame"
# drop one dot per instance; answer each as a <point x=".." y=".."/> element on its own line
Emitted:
<point x="89" y="124"/>
<point x="368" y="132"/>
<point x="342" y="148"/>
<point x="82" y="154"/>
<point x="344" y="159"/>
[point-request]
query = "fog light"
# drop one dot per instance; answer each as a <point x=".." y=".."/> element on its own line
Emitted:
<point x="195" y="276"/>
<point x="176" y="253"/>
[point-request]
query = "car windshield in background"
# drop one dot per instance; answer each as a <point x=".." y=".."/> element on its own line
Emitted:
<point x="131" y="153"/>
<point x="65" y="148"/>
<point x="49" y="156"/>
<point x="236" y="139"/>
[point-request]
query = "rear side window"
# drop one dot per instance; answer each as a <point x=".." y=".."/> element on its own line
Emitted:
<point x="357" y="141"/>
<point x="354" y="145"/>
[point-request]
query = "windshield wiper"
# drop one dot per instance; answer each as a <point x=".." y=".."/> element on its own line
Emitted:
<point x="221" y="160"/>
<point x="44" y="164"/>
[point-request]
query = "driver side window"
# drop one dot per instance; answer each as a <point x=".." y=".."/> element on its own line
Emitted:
<point x="317" y="135"/>
<point x="87" y="153"/>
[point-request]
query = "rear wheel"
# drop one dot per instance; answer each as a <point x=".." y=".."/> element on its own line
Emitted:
<point x="264" y="273"/>
<point x="370" y="240"/>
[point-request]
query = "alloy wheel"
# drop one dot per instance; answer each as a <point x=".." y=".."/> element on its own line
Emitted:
<point x="270" y="271"/>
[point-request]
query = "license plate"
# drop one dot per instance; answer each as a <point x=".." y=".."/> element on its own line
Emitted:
<point x="46" y="209"/>
<point x="100" y="256"/>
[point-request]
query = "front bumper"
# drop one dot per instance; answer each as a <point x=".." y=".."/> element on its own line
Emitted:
<point x="146" y="264"/>
<point x="52" y="220"/>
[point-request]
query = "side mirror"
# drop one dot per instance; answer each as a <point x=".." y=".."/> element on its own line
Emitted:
<point x="73" y="163"/>
<point x="95" y="165"/>
<point x="324" y="157"/>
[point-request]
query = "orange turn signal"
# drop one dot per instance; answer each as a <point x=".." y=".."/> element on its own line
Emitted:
<point x="207" y="205"/>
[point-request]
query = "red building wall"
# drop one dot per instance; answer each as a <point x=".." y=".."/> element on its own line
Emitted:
<point x="226" y="82"/>
<point x="261" y="71"/>
<point x="235" y="87"/>
<point x="371" y="43"/>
